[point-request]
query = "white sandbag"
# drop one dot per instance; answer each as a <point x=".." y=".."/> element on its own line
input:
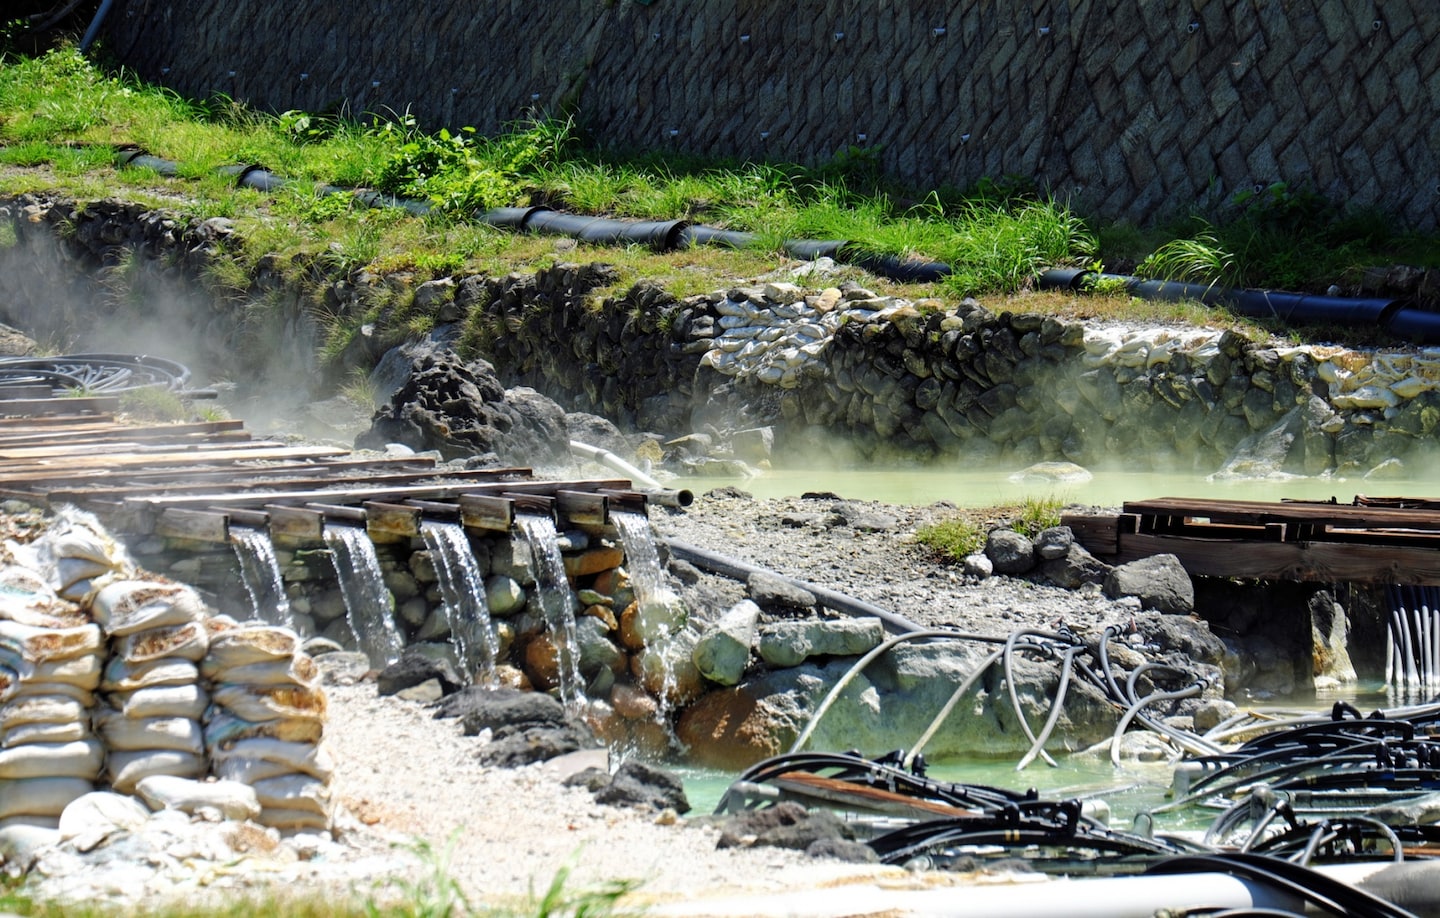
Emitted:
<point x="80" y="759"/>
<point x="247" y="771"/>
<point x="24" y="689"/>
<point x="95" y="816"/>
<point x="126" y="769"/>
<point x="131" y="606"/>
<point x="303" y="793"/>
<point x="40" y="796"/>
<point x="23" y="838"/>
<point x="297" y="670"/>
<point x="123" y="676"/>
<point x="277" y="818"/>
<point x="70" y="571"/>
<point x="81" y="591"/>
<point x="163" y="701"/>
<point x="271" y="702"/>
<point x="223" y="728"/>
<point x="187" y="642"/>
<point x="76" y="533"/>
<point x="231" y="799"/>
<point x="248" y="644"/>
<point x="44" y="822"/>
<point x="42" y="709"/>
<point x="40" y="645"/>
<point x="81" y="672"/>
<point x="234" y="761"/>
<point x="128" y="734"/>
<point x="67" y="732"/>
<point x="26" y="598"/>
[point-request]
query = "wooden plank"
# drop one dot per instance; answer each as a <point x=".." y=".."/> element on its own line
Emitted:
<point x="31" y="390"/>
<point x="56" y="421"/>
<point x="1325" y="562"/>
<point x="385" y="519"/>
<point x="151" y="460"/>
<point x="78" y="495"/>
<point x="110" y="433"/>
<point x="29" y="406"/>
<point x="194" y="525"/>
<point x="489" y="512"/>
<point x="1099" y="534"/>
<point x="133" y="447"/>
<point x="865" y="797"/>
<point x="1259" y="513"/>
<point x="441" y="491"/>
<point x="207" y="469"/>
<point x="296" y="524"/>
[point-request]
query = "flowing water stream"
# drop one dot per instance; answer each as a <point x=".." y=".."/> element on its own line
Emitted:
<point x="463" y="590"/>
<point x="367" y="601"/>
<point x="260" y="572"/>
<point x="660" y="613"/>
<point x="558" y="601"/>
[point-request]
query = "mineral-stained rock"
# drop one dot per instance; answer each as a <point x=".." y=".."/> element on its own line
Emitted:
<point x="1160" y="582"/>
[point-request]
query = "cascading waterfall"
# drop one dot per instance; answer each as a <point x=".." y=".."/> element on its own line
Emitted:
<point x="463" y="590"/>
<point x="260" y="572"/>
<point x="367" y="601"/>
<point x="1412" y="647"/>
<point x="660" y="614"/>
<point x="558" y="601"/>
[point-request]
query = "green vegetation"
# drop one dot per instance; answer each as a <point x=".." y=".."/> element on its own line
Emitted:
<point x="953" y="539"/>
<point x="62" y="118"/>
<point x="1036" y="515"/>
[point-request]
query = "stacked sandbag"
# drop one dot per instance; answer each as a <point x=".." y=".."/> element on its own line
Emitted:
<point x="266" y="722"/>
<point x="76" y="555"/>
<point x="153" y="699"/>
<point x="51" y="659"/>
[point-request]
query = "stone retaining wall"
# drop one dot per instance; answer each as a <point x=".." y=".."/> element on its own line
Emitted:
<point x="1125" y="108"/>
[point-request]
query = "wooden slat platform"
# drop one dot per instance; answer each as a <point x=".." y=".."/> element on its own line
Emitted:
<point x="191" y="482"/>
<point x="1392" y="540"/>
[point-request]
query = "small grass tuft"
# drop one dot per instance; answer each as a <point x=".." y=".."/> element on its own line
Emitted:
<point x="953" y="539"/>
<point x="1037" y="514"/>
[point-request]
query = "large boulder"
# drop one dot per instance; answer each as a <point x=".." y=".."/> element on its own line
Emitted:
<point x="723" y="651"/>
<point x="1160" y="582"/>
<point x="461" y="410"/>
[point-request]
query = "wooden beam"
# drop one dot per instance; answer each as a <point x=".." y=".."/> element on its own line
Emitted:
<point x="1260" y="513"/>
<point x="193" y="525"/>
<point x="80" y="495"/>
<point x="1323" y="562"/>
<point x="29" y="406"/>
<point x="296" y="524"/>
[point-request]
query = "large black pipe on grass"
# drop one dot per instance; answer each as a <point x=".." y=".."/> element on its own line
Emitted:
<point x="1383" y="313"/>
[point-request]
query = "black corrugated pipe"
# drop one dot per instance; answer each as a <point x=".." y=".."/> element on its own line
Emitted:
<point x="709" y="235"/>
<point x="1374" y="312"/>
<point x="812" y="249"/>
<point x="899" y="269"/>
<point x="510" y="217"/>
<point x="140" y="159"/>
<point x="661" y="235"/>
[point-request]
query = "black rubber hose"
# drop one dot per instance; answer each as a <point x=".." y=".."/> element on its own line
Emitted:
<point x="741" y="570"/>
<point x="898" y="269"/>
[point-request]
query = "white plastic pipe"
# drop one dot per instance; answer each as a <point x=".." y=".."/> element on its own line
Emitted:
<point x="610" y="460"/>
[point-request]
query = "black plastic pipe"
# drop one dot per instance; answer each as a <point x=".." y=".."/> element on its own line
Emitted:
<point x="741" y="570"/>
<point x="661" y="235"/>
<point x="1385" y="313"/>
<point x="709" y="235"/>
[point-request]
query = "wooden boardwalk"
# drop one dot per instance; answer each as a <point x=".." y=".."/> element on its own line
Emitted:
<point x="194" y="481"/>
<point x="1370" y="540"/>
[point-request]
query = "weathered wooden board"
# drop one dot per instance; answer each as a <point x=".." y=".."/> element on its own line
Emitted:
<point x="1261" y="513"/>
<point x="1322" y="562"/>
<point x="240" y="484"/>
<point x="194" y="525"/>
<point x="29" y="406"/>
<point x="357" y="494"/>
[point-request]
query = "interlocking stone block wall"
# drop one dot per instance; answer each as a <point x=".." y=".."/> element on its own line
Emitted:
<point x="1127" y="108"/>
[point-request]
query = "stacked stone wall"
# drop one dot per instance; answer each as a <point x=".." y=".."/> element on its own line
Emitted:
<point x="1127" y="109"/>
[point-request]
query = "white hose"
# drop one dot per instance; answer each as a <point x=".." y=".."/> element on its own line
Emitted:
<point x="610" y="460"/>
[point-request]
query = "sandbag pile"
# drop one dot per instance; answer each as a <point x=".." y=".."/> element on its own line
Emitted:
<point x="152" y="694"/>
<point x="266" y="723"/>
<point x="51" y="658"/>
